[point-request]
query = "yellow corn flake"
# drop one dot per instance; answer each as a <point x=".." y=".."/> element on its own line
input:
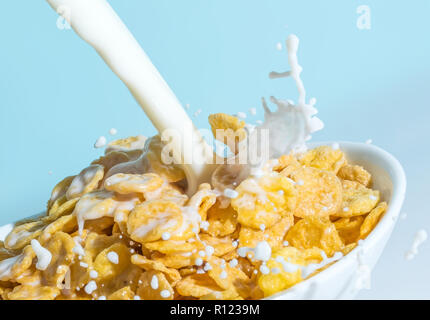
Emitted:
<point x="170" y="246"/>
<point x="316" y="232"/>
<point x="21" y="235"/>
<point x="34" y="218"/>
<point x="30" y="277"/>
<point x="176" y="261"/>
<point x="273" y="282"/>
<point x="66" y="224"/>
<point x="349" y="228"/>
<point x="286" y="161"/>
<point x="203" y="200"/>
<point x="128" y="275"/>
<point x="324" y="158"/>
<point x="100" y="204"/>
<point x="158" y="158"/>
<point x="96" y="243"/>
<point x="230" y="255"/>
<point x="78" y="271"/>
<point x="319" y="192"/>
<point x="372" y="219"/>
<point x="187" y="271"/>
<point x="172" y="274"/>
<point x="111" y="159"/>
<point x="197" y="285"/>
<point x="4" y="292"/>
<point x="112" y="261"/>
<point x="28" y="292"/>
<point x="264" y="201"/>
<point x="60" y="190"/>
<point x="86" y="181"/>
<point x="168" y="192"/>
<point x="355" y="173"/>
<point x="154" y="286"/>
<point x="64" y="209"/>
<point x="122" y="294"/>
<point x="227" y="129"/>
<point x="61" y="248"/>
<point x="249" y="237"/>
<point x="228" y="176"/>
<point x="54" y="205"/>
<point x="222" y="221"/>
<point x="357" y="199"/>
<point x="127" y="144"/>
<point x="6" y="253"/>
<point x="229" y="294"/>
<point x="13" y="267"/>
<point x="133" y="183"/>
<point x="348" y="248"/>
<point x="148" y="221"/>
<point x="225" y="121"/>
<point x="228" y="278"/>
<point x="221" y="246"/>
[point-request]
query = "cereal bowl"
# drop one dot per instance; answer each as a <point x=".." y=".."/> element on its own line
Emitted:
<point x="345" y="278"/>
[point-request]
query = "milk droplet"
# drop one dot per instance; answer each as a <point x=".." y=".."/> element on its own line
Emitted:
<point x="113" y="257"/>
<point x="165" y="294"/>
<point x="154" y="282"/>
<point x="100" y="143"/>
<point x="44" y="256"/>
<point x="90" y="287"/>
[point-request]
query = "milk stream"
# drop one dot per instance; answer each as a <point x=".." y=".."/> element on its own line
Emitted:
<point x="97" y="23"/>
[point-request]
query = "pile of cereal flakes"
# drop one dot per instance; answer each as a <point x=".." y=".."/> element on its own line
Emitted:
<point x="123" y="228"/>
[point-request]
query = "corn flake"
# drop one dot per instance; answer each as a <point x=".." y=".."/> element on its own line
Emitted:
<point x="222" y="221"/>
<point x="27" y="292"/>
<point x="264" y="202"/>
<point x="86" y="181"/>
<point x="21" y="235"/>
<point x="324" y="158"/>
<point x="372" y="219"/>
<point x="319" y="192"/>
<point x="316" y="232"/>
<point x="133" y="183"/>
<point x="355" y="173"/>
<point x="357" y="199"/>
<point x="197" y="285"/>
<point x="147" y="290"/>
<point x="148" y="221"/>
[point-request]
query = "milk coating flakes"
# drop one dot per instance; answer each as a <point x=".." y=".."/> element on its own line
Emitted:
<point x="115" y="235"/>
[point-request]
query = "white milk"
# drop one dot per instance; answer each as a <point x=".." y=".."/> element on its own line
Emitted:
<point x="97" y="23"/>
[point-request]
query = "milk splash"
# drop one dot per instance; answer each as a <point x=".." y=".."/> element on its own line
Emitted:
<point x="283" y="131"/>
<point x="420" y="237"/>
<point x="290" y="126"/>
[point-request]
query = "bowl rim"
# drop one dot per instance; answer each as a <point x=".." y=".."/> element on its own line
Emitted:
<point x="389" y="219"/>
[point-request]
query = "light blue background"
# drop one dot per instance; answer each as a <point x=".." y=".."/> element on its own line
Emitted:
<point x="57" y="96"/>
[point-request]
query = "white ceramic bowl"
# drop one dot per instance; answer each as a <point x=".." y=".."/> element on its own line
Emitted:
<point x="343" y="279"/>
